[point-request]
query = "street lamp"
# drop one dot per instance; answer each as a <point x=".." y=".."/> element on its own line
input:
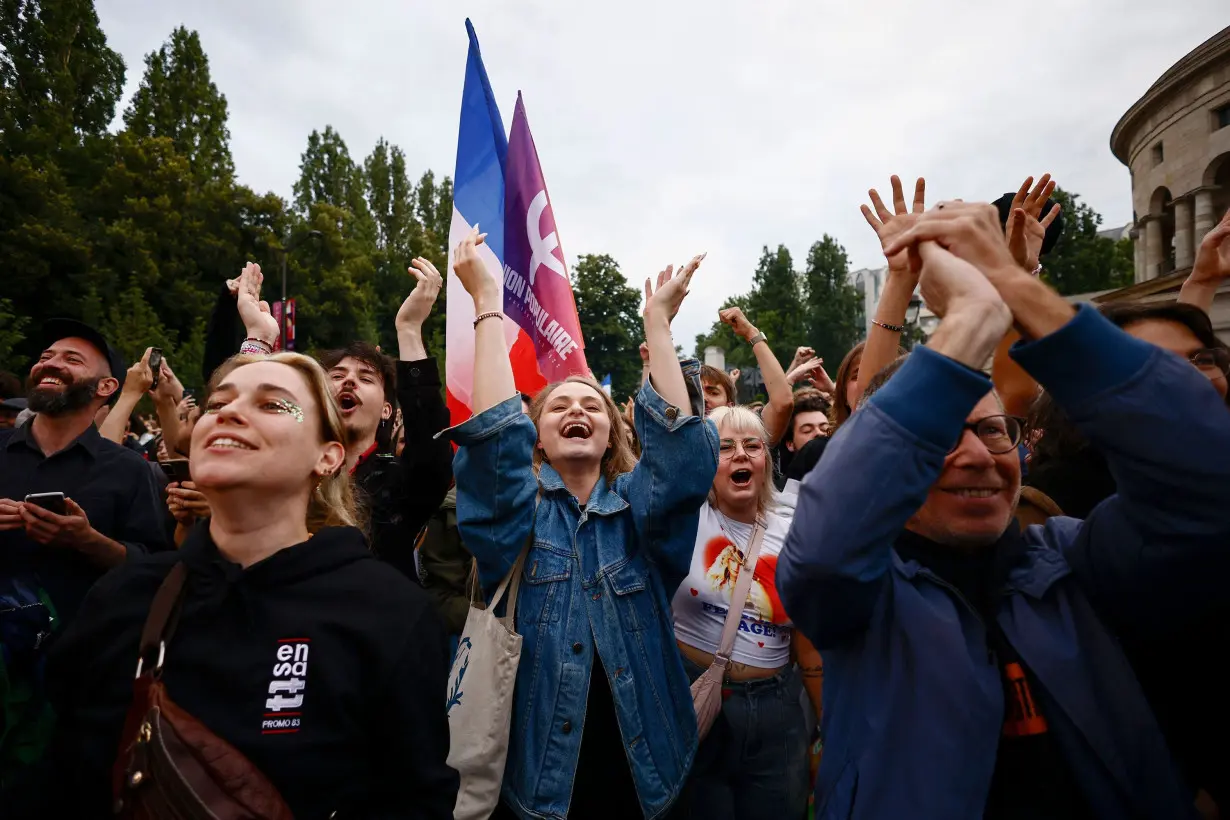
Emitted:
<point x="286" y="249"/>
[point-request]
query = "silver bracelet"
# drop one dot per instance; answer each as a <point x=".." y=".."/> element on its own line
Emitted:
<point x="257" y="347"/>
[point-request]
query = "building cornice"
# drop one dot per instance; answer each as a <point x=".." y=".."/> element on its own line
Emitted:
<point x="1195" y="62"/>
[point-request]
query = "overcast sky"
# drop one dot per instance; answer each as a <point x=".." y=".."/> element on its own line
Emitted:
<point x="668" y="128"/>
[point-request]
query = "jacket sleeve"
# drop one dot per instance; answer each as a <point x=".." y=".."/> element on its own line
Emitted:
<point x="496" y="485"/>
<point x="411" y="727"/>
<point x="446" y="569"/>
<point x="874" y="476"/>
<point x="668" y="485"/>
<point x="142" y="523"/>
<point x="426" y="461"/>
<point x="1156" y="553"/>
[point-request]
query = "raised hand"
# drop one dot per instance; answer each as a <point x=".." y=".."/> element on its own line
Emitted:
<point x="802" y="354"/>
<point x="888" y="225"/>
<point x="169" y="389"/>
<point x="813" y="371"/>
<point x="258" y="322"/>
<point x="1025" y="231"/>
<point x="950" y="284"/>
<point x="417" y="306"/>
<point x="971" y="231"/>
<point x="664" y="301"/>
<point x="734" y="318"/>
<point x="486" y="292"/>
<point x="140" y="377"/>
<point x="1213" y="255"/>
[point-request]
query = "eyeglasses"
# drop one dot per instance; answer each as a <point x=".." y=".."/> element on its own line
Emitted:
<point x="999" y="434"/>
<point x="753" y="447"/>
<point x="1212" y="361"/>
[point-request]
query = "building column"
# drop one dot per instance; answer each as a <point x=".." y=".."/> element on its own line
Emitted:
<point x="1154" y="252"/>
<point x="1184" y="250"/>
<point x="1205" y="218"/>
<point x="1138" y="254"/>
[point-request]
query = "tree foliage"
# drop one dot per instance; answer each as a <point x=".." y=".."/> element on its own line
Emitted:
<point x="1082" y="261"/>
<point x="816" y="308"/>
<point x="178" y="100"/>
<point x="609" y="310"/>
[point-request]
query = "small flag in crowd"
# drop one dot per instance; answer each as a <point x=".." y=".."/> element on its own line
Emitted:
<point x="606" y="384"/>
<point x="498" y="185"/>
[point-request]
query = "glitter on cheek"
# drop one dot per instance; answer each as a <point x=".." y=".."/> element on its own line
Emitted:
<point x="290" y="408"/>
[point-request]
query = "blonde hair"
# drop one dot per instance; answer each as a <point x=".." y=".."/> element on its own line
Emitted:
<point x="619" y="458"/>
<point x="742" y="419"/>
<point x="332" y="503"/>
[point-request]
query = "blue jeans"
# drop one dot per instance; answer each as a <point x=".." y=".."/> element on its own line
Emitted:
<point x="753" y="763"/>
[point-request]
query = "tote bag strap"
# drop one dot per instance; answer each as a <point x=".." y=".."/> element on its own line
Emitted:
<point x="739" y="599"/>
<point x="510" y="582"/>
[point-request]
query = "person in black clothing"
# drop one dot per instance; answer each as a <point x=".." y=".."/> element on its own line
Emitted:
<point x="323" y="666"/>
<point x="398" y="494"/>
<point x="112" y="506"/>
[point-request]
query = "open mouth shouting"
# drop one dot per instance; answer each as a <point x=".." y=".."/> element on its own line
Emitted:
<point x="576" y="429"/>
<point x="348" y="402"/>
<point x="741" y="478"/>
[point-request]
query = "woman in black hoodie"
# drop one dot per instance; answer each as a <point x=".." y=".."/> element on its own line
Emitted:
<point x="325" y="667"/>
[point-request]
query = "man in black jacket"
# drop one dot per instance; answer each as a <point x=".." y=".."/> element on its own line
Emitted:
<point x="398" y="494"/>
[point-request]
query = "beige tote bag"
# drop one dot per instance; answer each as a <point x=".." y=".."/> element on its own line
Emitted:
<point x="480" y="697"/>
<point x="707" y="689"/>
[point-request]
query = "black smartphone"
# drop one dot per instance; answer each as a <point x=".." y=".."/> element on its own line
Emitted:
<point x="176" y="470"/>
<point x="155" y="365"/>
<point x="52" y="502"/>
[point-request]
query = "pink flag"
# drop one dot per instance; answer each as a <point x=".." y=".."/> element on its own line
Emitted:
<point x="537" y="291"/>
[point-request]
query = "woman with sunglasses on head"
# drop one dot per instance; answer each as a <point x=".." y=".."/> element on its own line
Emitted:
<point x="322" y="666"/>
<point x="754" y="762"/>
<point x="602" y="720"/>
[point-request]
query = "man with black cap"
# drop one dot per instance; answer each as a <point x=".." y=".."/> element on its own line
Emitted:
<point x="109" y="509"/>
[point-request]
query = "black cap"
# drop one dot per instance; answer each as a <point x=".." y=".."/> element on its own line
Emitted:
<point x="1004" y="204"/>
<point x="56" y="329"/>
<point x="15" y="404"/>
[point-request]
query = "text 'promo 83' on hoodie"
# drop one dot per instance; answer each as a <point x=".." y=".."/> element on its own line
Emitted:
<point x="324" y="666"/>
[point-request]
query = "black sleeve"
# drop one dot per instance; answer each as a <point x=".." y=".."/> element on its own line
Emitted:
<point x="142" y="525"/>
<point x="807" y="458"/>
<point x="411" y="730"/>
<point x="223" y="334"/>
<point x="426" y="461"/>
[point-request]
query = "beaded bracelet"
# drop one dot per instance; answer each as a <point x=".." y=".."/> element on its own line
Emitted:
<point x="490" y="315"/>
<point x="256" y="346"/>
<point x="887" y="326"/>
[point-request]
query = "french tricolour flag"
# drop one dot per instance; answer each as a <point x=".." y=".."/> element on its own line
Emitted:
<point x="498" y="185"/>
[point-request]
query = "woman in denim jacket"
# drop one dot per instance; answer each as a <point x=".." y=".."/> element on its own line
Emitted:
<point x="610" y="537"/>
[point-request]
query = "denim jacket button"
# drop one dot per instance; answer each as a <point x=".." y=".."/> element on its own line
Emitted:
<point x="577" y="649"/>
<point x="672" y="413"/>
<point x="567" y="727"/>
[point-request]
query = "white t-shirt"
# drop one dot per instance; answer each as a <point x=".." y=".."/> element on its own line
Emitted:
<point x="702" y="600"/>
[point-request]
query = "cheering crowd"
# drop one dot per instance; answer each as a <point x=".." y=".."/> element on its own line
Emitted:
<point x="984" y="579"/>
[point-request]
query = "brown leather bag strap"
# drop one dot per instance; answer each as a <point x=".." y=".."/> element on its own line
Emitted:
<point x="163" y="618"/>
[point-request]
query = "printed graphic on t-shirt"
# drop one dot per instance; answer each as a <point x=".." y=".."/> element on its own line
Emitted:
<point x="1021" y="715"/>
<point x="287" y="688"/>
<point x="723" y="560"/>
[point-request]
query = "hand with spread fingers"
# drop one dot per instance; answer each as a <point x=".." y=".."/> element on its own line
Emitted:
<point x="970" y="231"/>
<point x="1026" y="227"/>
<point x="666" y="298"/>
<point x="888" y="225"/>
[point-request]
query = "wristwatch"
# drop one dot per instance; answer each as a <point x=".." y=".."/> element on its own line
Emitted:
<point x="757" y="339"/>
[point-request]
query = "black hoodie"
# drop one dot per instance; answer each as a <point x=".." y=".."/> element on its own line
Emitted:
<point x="324" y="666"/>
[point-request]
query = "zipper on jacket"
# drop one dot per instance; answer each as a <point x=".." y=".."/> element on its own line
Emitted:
<point x="935" y="579"/>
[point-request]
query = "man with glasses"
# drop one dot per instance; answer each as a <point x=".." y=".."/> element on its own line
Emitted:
<point x="974" y="670"/>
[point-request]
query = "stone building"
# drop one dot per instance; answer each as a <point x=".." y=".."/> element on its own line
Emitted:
<point x="1175" y="141"/>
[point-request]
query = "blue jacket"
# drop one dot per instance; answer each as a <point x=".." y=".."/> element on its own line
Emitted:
<point x="913" y="709"/>
<point x="603" y="575"/>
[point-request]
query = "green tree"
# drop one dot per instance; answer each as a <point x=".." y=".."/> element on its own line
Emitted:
<point x="12" y="333"/>
<point x="1082" y="261"/>
<point x="831" y="304"/>
<point x="178" y="100"/>
<point x="327" y="174"/>
<point x="609" y="312"/>
<point x="59" y="80"/>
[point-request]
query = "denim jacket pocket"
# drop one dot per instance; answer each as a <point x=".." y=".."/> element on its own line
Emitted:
<point x="544" y="590"/>
<point x="634" y="596"/>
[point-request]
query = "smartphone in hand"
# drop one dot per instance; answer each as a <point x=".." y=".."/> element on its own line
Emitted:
<point x="52" y="502"/>
<point x="176" y="470"/>
<point x="155" y="365"/>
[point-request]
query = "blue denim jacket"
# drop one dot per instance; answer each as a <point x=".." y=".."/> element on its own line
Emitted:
<point x="596" y="578"/>
<point x="913" y="704"/>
